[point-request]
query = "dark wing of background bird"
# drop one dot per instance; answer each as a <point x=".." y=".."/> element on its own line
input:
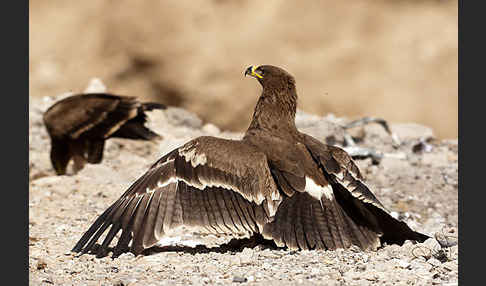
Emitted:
<point x="80" y="124"/>
<point x="79" y="114"/>
<point x="209" y="183"/>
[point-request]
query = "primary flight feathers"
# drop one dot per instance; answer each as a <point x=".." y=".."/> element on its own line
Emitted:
<point x="79" y="125"/>
<point x="276" y="181"/>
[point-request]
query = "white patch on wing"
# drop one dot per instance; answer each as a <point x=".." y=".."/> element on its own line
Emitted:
<point x="275" y="196"/>
<point x="161" y="184"/>
<point x="168" y="182"/>
<point x="318" y="191"/>
<point x="190" y="154"/>
<point x="207" y="183"/>
<point x="340" y="175"/>
<point x="198" y="159"/>
<point x="273" y="206"/>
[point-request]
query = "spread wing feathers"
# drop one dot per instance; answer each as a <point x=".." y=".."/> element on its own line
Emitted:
<point x="199" y="185"/>
<point x="92" y="115"/>
<point x="354" y="197"/>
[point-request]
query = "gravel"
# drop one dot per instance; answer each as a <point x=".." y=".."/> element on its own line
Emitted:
<point x="420" y="187"/>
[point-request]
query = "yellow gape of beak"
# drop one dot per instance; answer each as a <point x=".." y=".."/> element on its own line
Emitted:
<point x="251" y="71"/>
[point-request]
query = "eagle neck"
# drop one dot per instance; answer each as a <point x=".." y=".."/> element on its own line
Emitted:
<point x="275" y="111"/>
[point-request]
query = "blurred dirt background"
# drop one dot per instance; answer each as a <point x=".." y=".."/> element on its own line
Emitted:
<point x="394" y="59"/>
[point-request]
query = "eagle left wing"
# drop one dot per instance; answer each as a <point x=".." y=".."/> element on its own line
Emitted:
<point x="355" y="197"/>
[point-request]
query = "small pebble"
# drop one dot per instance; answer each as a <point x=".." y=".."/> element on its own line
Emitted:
<point x="404" y="264"/>
<point x="434" y="262"/>
<point x="41" y="264"/>
<point x="239" y="279"/>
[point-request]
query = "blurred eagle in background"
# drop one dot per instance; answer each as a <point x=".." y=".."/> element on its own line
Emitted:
<point x="79" y="125"/>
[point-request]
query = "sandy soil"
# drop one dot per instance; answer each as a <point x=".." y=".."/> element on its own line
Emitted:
<point x="419" y="187"/>
<point x="391" y="58"/>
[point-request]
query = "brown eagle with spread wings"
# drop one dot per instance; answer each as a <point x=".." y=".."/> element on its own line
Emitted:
<point x="276" y="182"/>
<point x="79" y="125"/>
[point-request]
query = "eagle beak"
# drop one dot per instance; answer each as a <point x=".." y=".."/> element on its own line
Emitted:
<point x="251" y="71"/>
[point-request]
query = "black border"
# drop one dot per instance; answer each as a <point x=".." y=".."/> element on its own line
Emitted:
<point x="471" y="150"/>
<point x="460" y="66"/>
<point x="15" y="123"/>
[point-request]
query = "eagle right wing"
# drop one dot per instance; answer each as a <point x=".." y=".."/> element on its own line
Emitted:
<point x="222" y="186"/>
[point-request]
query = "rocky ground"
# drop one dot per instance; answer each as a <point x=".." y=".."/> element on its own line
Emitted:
<point x="418" y="181"/>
